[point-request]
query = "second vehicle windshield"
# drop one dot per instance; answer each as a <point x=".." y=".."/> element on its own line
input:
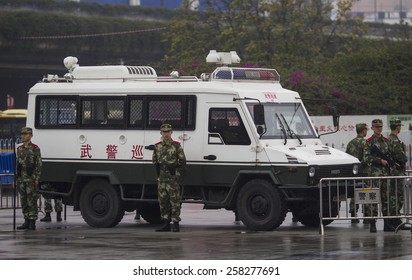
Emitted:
<point x="285" y="120"/>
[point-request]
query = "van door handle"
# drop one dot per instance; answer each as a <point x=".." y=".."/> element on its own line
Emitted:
<point x="210" y="157"/>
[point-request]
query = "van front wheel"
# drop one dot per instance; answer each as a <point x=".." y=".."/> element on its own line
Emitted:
<point x="100" y="204"/>
<point x="260" y="205"/>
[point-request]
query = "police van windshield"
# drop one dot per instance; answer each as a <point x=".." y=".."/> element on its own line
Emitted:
<point x="285" y="120"/>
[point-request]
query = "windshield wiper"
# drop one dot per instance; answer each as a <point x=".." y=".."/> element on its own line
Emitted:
<point x="290" y="131"/>
<point x="282" y="127"/>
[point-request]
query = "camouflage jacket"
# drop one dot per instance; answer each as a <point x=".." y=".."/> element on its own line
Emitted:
<point x="169" y="159"/>
<point x="29" y="162"/>
<point x="398" y="151"/>
<point x="355" y="148"/>
<point x="373" y="161"/>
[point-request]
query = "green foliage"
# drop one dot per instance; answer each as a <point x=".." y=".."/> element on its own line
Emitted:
<point x="286" y="34"/>
<point x="379" y="76"/>
<point x="328" y="62"/>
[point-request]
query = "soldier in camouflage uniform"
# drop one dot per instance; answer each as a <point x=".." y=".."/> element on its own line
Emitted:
<point x="355" y="148"/>
<point x="169" y="159"/>
<point x="378" y="167"/>
<point x="28" y="170"/>
<point x="398" y="154"/>
<point x="48" y="208"/>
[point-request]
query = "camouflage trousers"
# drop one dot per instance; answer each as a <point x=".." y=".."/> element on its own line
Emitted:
<point x="169" y="200"/>
<point x="48" y="207"/>
<point x="392" y="195"/>
<point x="353" y="209"/>
<point x="372" y="209"/>
<point x="29" y="196"/>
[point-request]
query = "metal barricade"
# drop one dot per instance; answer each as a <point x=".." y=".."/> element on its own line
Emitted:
<point x="377" y="198"/>
<point x="7" y="191"/>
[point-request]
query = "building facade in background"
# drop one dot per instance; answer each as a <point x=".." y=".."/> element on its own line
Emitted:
<point x="384" y="11"/>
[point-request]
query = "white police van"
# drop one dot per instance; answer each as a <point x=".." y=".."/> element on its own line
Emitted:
<point x="250" y="145"/>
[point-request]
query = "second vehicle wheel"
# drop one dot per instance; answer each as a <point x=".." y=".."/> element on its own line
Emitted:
<point x="260" y="205"/>
<point x="100" y="204"/>
<point x="308" y="213"/>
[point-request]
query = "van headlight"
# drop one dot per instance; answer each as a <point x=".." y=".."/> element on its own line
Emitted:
<point x="355" y="169"/>
<point x="312" y="171"/>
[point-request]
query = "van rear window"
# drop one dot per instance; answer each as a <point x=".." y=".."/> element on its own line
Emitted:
<point x="56" y="112"/>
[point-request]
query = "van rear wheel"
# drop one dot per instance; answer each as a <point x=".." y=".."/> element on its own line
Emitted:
<point x="260" y="205"/>
<point x="100" y="204"/>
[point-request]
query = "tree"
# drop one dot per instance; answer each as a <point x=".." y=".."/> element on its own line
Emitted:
<point x="379" y="77"/>
<point x="288" y="34"/>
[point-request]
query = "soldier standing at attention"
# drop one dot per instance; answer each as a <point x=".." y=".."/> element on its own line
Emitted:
<point x="169" y="159"/>
<point x="378" y="167"/>
<point x="355" y="148"/>
<point x="397" y="191"/>
<point x="27" y="178"/>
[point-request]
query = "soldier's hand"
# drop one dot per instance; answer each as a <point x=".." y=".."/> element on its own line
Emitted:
<point x="384" y="162"/>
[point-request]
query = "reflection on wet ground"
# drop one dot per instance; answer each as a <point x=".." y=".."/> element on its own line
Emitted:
<point x="205" y="234"/>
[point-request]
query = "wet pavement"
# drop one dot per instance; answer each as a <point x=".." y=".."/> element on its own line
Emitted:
<point x="205" y="235"/>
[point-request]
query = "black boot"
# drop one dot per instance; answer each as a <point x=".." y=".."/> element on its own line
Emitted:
<point x="388" y="225"/>
<point x="354" y="221"/>
<point x="165" y="227"/>
<point x="25" y="225"/>
<point x="46" y="218"/>
<point x="175" y="227"/>
<point x="59" y="216"/>
<point x="32" y="225"/>
<point x="372" y="224"/>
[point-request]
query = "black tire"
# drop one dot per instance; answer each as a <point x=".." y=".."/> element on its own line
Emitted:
<point x="100" y="204"/>
<point x="308" y="213"/>
<point x="151" y="213"/>
<point x="260" y="206"/>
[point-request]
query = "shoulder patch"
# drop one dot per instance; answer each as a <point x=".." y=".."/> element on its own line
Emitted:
<point x="176" y="143"/>
<point x="34" y="145"/>
<point x="369" y="139"/>
<point x="385" y="139"/>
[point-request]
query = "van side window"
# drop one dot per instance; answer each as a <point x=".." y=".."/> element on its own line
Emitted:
<point x="102" y="112"/>
<point x="116" y="112"/>
<point x="228" y="124"/>
<point x="164" y="109"/>
<point x="136" y="112"/>
<point x="56" y="111"/>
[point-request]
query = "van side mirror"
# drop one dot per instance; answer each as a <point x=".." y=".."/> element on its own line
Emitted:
<point x="259" y="114"/>
<point x="335" y="117"/>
